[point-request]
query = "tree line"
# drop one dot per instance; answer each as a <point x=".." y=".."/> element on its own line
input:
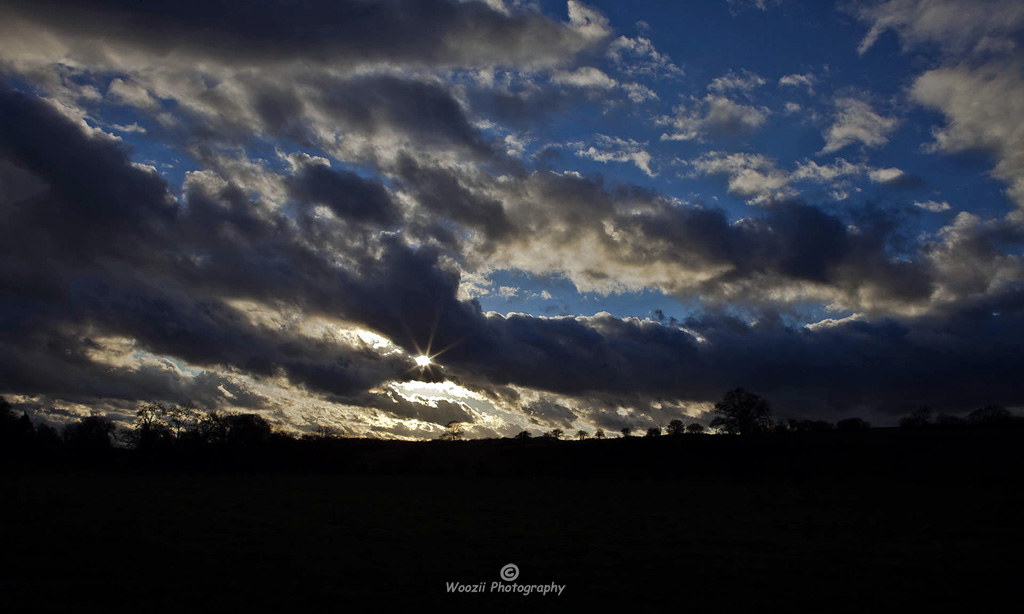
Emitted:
<point x="740" y="412"/>
<point x="159" y="427"/>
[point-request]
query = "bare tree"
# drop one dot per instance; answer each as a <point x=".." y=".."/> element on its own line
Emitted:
<point x="453" y="431"/>
<point x="183" y="418"/>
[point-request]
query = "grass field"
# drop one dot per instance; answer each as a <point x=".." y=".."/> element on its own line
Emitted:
<point x="220" y="541"/>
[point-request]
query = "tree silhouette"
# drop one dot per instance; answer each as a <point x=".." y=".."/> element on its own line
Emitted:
<point x="323" y="433"/>
<point x="948" y="420"/>
<point x="247" y="430"/>
<point x="626" y="431"/>
<point x="695" y="428"/>
<point x="182" y="418"/>
<point x="150" y="430"/>
<point x="92" y="433"/>
<point x="808" y="426"/>
<point x="211" y="428"/>
<point x="523" y="435"/>
<point x="676" y="427"/>
<point x="453" y="431"/>
<point x="581" y="434"/>
<point x="599" y="434"/>
<point x="990" y="415"/>
<point x="47" y="438"/>
<point x="654" y="431"/>
<point x="556" y="433"/>
<point x="15" y="432"/>
<point x="743" y="413"/>
<point x="919" y="418"/>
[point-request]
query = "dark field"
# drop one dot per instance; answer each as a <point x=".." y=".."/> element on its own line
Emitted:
<point x="922" y="521"/>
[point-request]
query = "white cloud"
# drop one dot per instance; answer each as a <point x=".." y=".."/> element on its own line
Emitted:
<point x="638" y="57"/>
<point x="856" y="122"/>
<point x="588" y="21"/>
<point x="823" y="173"/>
<point x="131" y="93"/>
<point x="795" y="80"/>
<point x="760" y="179"/>
<point x="587" y="76"/>
<point x="755" y="4"/>
<point x="639" y="93"/>
<point x="933" y="205"/>
<point x="732" y="81"/>
<point x="132" y="128"/>
<point x="885" y="175"/>
<point x="750" y="176"/>
<point x="955" y="25"/>
<point x="715" y="113"/>
<point x="833" y="322"/>
<point x="613" y="149"/>
<point x="983" y="107"/>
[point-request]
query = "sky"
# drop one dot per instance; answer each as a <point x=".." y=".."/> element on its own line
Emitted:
<point x="589" y="215"/>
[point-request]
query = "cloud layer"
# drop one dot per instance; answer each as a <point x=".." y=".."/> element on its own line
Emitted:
<point x="278" y="208"/>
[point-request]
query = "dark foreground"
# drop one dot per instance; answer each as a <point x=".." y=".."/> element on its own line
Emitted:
<point x="922" y="524"/>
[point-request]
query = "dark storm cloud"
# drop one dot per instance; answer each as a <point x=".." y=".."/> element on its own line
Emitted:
<point x="545" y="411"/>
<point x="859" y="258"/>
<point x="94" y="247"/>
<point x="441" y="193"/>
<point x="954" y="362"/>
<point x="800" y="242"/>
<point x="99" y="244"/>
<point x="424" y="110"/>
<point x="59" y="363"/>
<point x="347" y="194"/>
<point x="422" y="32"/>
<point x="50" y="150"/>
<point x="440" y="412"/>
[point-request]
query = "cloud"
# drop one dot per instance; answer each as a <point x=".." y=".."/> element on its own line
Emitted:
<point x="425" y="33"/>
<point x="122" y="258"/>
<point x="762" y="5"/>
<point x="760" y="180"/>
<point x="953" y="25"/>
<point x="345" y="193"/>
<point x="981" y="106"/>
<point x="132" y="94"/>
<point x="639" y="93"/>
<point x="713" y="113"/>
<point x="742" y="81"/>
<point x="637" y="57"/>
<point x="887" y="175"/>
<point x="330" y="205"/>
<point x="797" y="80"/>
<point x="750" y="176"/>
<point x="587" y="76"/>
<point x="856" y="122"/>
<point x="614" y="149"/>
<point x="933" y="206"/>
<point x="168" y="277"/>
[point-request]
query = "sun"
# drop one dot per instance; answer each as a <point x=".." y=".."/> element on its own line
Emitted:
<point x="423" y="360"/>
